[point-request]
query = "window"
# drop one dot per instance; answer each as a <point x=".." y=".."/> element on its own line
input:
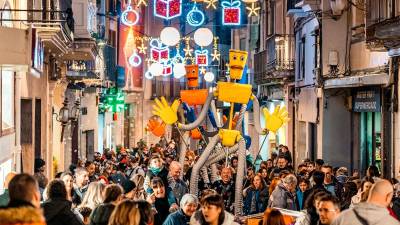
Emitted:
<point x="6" y="16"/>
<point x="7" y="99"/>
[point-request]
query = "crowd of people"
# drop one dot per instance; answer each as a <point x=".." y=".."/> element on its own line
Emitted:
<point x="147" y="185"/>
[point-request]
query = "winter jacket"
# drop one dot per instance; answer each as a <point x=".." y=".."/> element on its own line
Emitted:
<point x="282" y="198"/>
<point x="162" y="207"/>
<point x="179" y="188"/>
<point x="227" y="191"/>
<point x="366" y="214"/>
<point x="177" y="218"/>
<point x="58" y="212"/>
<point x="4" y="198"/>
<point x="338" y="188"/>
<point x="396" y="206"/>
<point x="101" y="214"/>
<point x="197" y="219"/>
<point x="261" y="200"/>
<point x="21" y="213"/>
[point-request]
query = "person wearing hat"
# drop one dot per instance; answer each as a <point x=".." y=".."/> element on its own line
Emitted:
<point x="128" y="187"/>
<point x="188" y="206"/>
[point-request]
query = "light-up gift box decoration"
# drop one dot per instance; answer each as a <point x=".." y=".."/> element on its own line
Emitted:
<point x="231" y="13"/>
<point x="167" y="9"/>
<point x="201" y="57"/>
<point x="160" y="53"/>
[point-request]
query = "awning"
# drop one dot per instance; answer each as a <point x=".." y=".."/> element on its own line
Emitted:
<point x="357" y="81"/>
<point x="14" y="47"/>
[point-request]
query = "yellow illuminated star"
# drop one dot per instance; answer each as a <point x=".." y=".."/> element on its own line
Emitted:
<point x="142" y="2"/>
<point x="188" y="51"/>
<point x="253" y="10"/>
<point x="211" y="3"/>
<point x="215" y="55"/>
<point x="203" y="70"/>
<point x="142" y="48"/>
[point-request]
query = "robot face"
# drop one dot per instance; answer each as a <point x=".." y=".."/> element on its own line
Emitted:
<point x="192" y="75"/>
<point x="237" y="62"/>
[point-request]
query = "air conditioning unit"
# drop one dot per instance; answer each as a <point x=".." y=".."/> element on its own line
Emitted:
<point x="338" y="6"/>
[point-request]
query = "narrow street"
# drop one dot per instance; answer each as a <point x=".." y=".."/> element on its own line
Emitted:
<point x="217" y="112"/>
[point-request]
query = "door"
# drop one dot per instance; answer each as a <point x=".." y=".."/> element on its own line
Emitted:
<point x="27" y="135"/>
<point x="90" y="145"/>
<point x="370" y="140"/>
<point x="38" y="128"/>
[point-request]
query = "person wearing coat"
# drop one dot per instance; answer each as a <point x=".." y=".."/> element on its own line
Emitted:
<point x="57" y="209"/>
<point x="112" y="196"/>
<point x="188" y="206"/>
<point x="212" y="211"/>
<point x="256" y="196"/>
<point x="282" y="196"/>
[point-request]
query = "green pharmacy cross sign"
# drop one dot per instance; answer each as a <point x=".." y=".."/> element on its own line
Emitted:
<point x="114" y="100"/>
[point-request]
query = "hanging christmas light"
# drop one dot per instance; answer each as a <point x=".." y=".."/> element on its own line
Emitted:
<point x="126" y="17"/>
<point x="195" y="17"/>
<point x="231" y="12"/>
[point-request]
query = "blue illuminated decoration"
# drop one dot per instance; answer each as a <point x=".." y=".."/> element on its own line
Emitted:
<point x="201" y="57"/>
<point x="195" y="17"/>
<point x="231" y="12"/>
<point x="167" y="9"/>
<point x="126" y="17"/>
<point x="135" y="60"/>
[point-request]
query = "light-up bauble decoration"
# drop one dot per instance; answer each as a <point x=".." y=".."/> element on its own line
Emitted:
<point x="179" y="70"/>
<point x="135" y="60"/>
<point x="156" y="69"/>
<point x="195" y="17"/>
<point x="203" y="37"/>
<point x="209" y="76"/>
<point x="201" y="57"/>
<point x="231" y="12"/>
<point x="167" y="9"/>
<point x="129" y="17"/>
<point x="170" y="36"/>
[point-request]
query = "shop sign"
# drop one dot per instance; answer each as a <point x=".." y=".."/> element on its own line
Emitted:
<point x="367" y="100"/>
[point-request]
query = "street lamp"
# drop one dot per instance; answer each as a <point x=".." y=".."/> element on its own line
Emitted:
<point x="63" y="115"/>
<point x="75" y="111"/>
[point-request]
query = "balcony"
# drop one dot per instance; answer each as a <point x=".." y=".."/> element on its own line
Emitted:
<point x="52" y="27"/>
<point x="80" y="70"/>
<point x="277" y="61"/>
<point x="382" y="26"/>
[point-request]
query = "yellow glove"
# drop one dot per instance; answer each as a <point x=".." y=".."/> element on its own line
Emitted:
<point x="275" y="120"/>
<point x="167" y="113"/>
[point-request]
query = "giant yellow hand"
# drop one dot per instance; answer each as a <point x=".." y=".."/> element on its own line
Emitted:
<point x="275" y="120"/>
<point x="167" y="113"/>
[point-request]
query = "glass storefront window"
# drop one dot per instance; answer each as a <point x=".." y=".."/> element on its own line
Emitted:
<point x="7" y="99"/>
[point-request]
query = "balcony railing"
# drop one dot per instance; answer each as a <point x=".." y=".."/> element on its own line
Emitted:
<point x="277" y="60"/>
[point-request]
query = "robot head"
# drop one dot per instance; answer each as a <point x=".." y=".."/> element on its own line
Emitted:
<point x="192" y="75"/>
<point x="237" y="62"/>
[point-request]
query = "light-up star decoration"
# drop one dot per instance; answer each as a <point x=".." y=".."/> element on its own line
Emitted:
<point x="142" y="49"/>
<point x="253" y="10"/>
<point x="142" y="2"/>
<point x="203" y="70"/>
<point x="211" y="3"/>
<point x="215" y="55"/>
<point x="188" y="51"/>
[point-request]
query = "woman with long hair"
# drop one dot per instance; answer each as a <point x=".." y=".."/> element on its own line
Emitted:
<point x="273" y="217"/>
<point x="256" y="196"/>
<point x="112" y="196"/>
<point x="129" y="212"/>
<point x="93" y="196"/>
<point x="363" y="193"/>
<point x="212" y="212"/>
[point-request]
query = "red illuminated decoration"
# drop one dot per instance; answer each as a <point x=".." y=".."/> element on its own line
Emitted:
<point x="160" y="53"/>
<point x="167" y="9"/>
<point x="231" y="13"/>
<point x="201" y="57"/>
